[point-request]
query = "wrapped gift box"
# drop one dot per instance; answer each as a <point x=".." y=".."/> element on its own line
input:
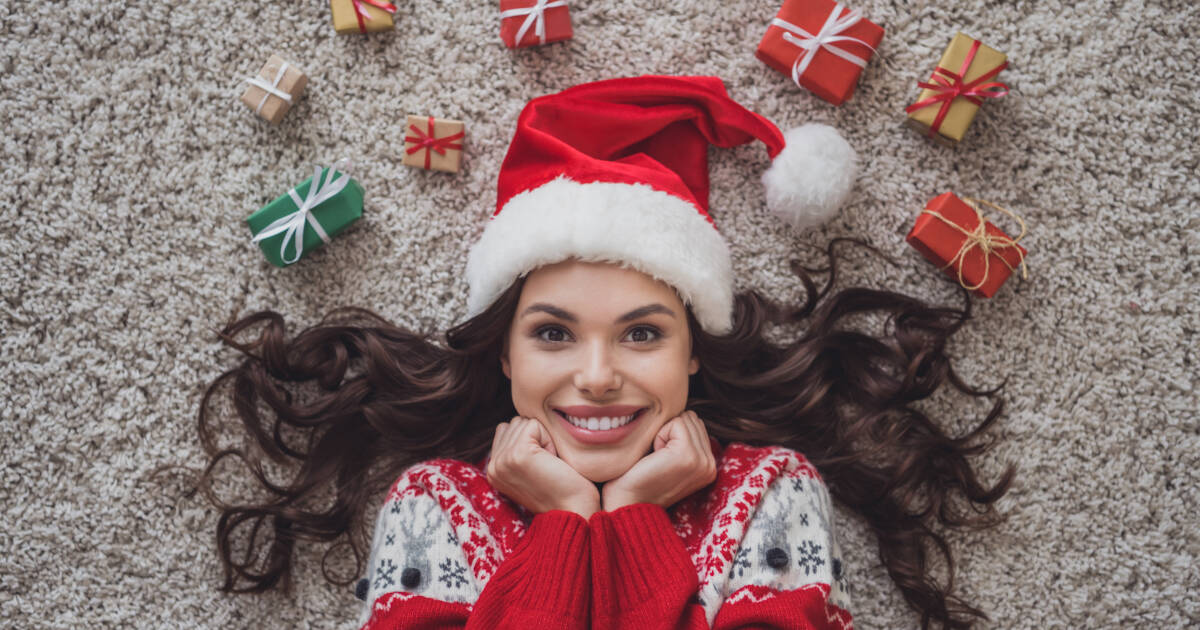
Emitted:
<point x="285" y="229"/>
<point x="534" y="22"/>
<point x="950" y="99"/>
<point x="830" y="71"/>
<point x="362" y="16"/>
<point x="946" y="242"/>
<point x="433" y="143"/>
<point x="277" y="86"/>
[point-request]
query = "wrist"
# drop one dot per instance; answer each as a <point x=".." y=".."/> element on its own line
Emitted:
<point x="615" y="499"/>
<point x="586" y="510"/>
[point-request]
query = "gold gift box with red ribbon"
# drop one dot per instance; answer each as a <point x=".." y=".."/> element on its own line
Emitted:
<point x="953" y="234"/>
<point x="950" y="99"/>
<point x="362" y="16"/>
<point x="433" y="143"/>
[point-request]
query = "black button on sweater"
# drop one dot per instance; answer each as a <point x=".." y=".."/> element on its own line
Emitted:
<point x="777" y="558"/>
<point x="411" y="578"/>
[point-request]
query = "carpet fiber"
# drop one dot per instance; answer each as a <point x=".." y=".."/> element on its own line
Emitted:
<point x="130" y="164"/>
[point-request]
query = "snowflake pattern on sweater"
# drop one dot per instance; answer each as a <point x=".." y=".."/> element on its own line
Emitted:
<point x="763" y="527"/>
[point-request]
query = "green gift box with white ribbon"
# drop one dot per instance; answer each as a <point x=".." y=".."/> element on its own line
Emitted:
<point x="307" y="217"/>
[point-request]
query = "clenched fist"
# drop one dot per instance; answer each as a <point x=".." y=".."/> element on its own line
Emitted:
<point x="524" y="466"/>
<point x="682" y="463"/>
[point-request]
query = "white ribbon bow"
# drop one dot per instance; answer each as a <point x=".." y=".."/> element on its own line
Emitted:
<point x="271" y="88"/>
<point x="533" y="17"/>
<point x="292" y="224"/>
<point x="825" y="38"/>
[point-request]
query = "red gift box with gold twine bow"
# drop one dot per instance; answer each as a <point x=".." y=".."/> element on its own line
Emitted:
<point x="953" y="234"/>
<point x="822" y="45"/>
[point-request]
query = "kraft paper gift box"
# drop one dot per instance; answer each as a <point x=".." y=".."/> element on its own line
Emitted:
<point x="304" y="219"/>
<point x="433" y="143"/>
<point x="533" y="22"/>
<point x="362" y="16"/>
<point x="276" y="88"/>
<point x="947" y="234"/>
<point x="830" y="70"/>
<point x="950" y="99"/>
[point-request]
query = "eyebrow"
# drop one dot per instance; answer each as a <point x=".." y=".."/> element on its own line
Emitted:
<point x="627" y="317"/>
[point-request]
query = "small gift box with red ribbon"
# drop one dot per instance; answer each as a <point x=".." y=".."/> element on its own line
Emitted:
<point x="362" y="16"/>
<point x="433" y="143"/>
<point x="953" y="234"/>
<point x="951" y="97"/>
<point x="534" y="22"/>
<point x="275" y="89"/>
<point x="822" y="45"/>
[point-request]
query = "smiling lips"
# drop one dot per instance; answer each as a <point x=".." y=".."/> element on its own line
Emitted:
<point x="599" y="424"/>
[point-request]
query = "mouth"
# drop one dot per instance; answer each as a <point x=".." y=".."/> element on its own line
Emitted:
<point x="599" y="430"/>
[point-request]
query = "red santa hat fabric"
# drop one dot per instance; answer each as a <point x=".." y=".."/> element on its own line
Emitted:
<point x="617" y="171"/>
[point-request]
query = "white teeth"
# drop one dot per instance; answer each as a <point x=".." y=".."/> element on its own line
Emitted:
<point x="600" y="424"/>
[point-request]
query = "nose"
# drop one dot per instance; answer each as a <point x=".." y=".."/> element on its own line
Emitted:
<point x="597" y="375"/>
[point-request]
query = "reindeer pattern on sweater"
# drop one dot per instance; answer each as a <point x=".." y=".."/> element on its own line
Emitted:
<point x="763" y="527"/>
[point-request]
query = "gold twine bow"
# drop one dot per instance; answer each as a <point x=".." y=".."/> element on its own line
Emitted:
<point x="987" y="243"/>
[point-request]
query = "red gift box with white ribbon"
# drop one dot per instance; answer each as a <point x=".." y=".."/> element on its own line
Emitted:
<point x="534" y="22"/>
<point x="822" y="45"/>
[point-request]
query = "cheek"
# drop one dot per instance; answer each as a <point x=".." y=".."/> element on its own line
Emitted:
<point x="532" y="378"/>
<point x="668" y="379"/>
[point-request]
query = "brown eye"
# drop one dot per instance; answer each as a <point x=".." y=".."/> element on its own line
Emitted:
<point x="552" y="334"/>
<point x="644" y="334"/>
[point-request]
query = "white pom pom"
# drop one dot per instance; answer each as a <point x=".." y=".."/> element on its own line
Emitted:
<point x="812" y="176"/>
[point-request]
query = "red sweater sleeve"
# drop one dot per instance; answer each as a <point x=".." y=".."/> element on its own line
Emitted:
<point x="644" y="578"/>
<point x="543" y="584"/>
<point x="642" y="574"/>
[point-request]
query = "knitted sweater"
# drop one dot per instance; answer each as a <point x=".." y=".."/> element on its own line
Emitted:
<point x="754" y="549"/>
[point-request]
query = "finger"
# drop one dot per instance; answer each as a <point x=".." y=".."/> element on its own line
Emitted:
<point x="697" y="437"/>
<point x="703" y="443"/>
<point x="546" y="440"/>
<point x="700" y="432"/>
<point x="497" y="446"/>
<point x="691" y="422"/>
<point x="511" y="431"/>
<point x="673" y="430"/>
<point x="517" y="435"/>
<point x="531" y="432"/>
<point x="498" y="438"/>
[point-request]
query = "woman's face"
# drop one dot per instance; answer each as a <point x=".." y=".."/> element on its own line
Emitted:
<point x="592" y="341"/>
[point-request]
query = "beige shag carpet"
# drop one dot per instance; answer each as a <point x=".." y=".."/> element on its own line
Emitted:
<point x="129" y="165"/>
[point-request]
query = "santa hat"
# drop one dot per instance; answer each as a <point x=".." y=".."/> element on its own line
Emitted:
<point x="617" y="171"/>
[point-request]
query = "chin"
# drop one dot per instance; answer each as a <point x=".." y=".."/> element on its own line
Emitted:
<point x="600" y="472"/>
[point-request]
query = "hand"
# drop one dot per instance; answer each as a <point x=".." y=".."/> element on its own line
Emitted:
<point x="524" y="466"/>
<point x="682" y="463"/>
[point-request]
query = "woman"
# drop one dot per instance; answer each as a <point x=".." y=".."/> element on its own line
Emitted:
<point x="653" y="458"/>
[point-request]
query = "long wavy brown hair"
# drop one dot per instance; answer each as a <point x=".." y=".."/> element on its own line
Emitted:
<point x="346" y="405"/>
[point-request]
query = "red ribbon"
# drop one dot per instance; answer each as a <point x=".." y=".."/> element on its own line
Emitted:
<point x="429" y="142"/>
<point x="950" y="86"/>
<point x="359" y="11"/>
